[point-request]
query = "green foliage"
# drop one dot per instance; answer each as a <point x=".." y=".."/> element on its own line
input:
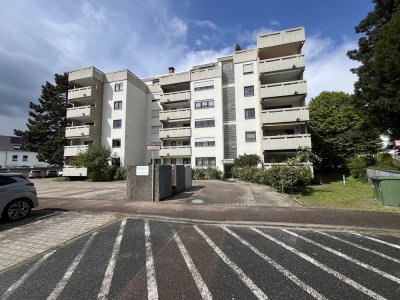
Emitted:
<point x="206" y="173"/>
<point x="237" y="47"/>
<point x="120" y="174"/>
<point x="385" y="161"/>
<point x="47" y="122"/>
<point x="290" y="179"/>
<point x="357" y="166"/>
<point x="252" y="174"/>
<point x="376" y="91"/>
<point x="339" y="131"/>
<point x="246" y="160"/>
<point x="96" y="160"/>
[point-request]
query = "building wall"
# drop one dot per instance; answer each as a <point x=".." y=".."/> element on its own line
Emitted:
<point x="32" y="161"/>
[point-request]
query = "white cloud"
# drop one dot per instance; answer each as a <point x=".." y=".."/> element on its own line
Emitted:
<point x="193" y="57"/>
<point x="275" y="23"/>
<point x="249" y="37"/>
<point x="179" y="27"/>
<point x="205" y="23"/>
<point x="316" y="46"/>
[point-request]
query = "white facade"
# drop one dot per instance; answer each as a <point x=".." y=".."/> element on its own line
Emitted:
<point x="252" y="102"/>
<point x="19" y="159"/>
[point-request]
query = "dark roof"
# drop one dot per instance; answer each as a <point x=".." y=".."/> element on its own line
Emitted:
<point x="10" y="143"/>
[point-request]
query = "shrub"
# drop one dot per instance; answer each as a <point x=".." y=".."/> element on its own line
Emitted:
<point x="246" y="160"/>
<point x="206" y="173"/>
<point x="120" y="174"/>
<point x="386" y="161"/>
<point x="251" y="174"/>
<point x="357" y="166"/>
<point x="289" y="178"/>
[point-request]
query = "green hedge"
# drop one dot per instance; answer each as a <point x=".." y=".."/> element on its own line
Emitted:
<point x="206" y="173"/>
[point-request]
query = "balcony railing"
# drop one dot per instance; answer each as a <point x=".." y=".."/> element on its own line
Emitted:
<point x="74" y="150"/>
<point x="80" y="112"/>
<point x="289" y="88"/>
<point x="85" y="73"/>
<point x="178" y="132"/>
<point x="78" y="131"/>
<point x="72" y="171"/>
<point x="285" y="115"/>
<point x="176" y="114"/>
<point x="201" y="74"/>
<point x="175" y="78"/>
<point x="286" y="142"/>
<point x="282" y="37"/>
<point x="281" y="63"/>
<point x="175" y="97"/>
<point x="174" y="151"/>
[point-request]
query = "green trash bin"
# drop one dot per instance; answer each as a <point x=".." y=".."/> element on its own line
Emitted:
<point x="387" y="189"/>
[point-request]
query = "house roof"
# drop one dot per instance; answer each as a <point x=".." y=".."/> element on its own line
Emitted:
<point x="10" y="143"/>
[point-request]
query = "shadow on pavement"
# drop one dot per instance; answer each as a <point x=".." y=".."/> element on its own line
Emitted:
<point x="185" y="194"/>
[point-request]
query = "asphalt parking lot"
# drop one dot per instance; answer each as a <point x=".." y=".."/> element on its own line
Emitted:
<point x="138" y="259"/>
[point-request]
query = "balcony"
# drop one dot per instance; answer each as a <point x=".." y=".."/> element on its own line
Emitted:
<point x="284" y="89"/>
<point x="177" y="114"/>
<point x="281" y="63"/>
<point x="80" y="112"/>
<point x="85" y="76"/>
<point x="201" y="74"/>
<point x="175" y="78"/>
<point x="74" y="150"/>
<point x="175" y="97"/>
<point x="176" y="151"/>
<point x="173" y="133"/>
<point x="85" y="95"/>
<point x="295" y="35"/>
<point x="286" y="142"/>
<point x="69" y="171"/>
<point x="79" y="131"/>
<point x="285" y="115"/>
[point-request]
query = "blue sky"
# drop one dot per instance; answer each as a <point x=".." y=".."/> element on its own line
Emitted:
<point x="43" y="37"/>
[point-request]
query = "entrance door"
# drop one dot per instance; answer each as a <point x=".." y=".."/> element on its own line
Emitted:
<point x="227" y="171"/>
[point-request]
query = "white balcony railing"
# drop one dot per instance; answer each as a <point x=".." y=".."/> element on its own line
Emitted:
<point x="175" y="78"/>
<point x="175" y="114"/>
<point x="85" y="73"/>
<point x="80" y="112"/>
<point x="289" y="88"/>
<point x="74" y="150"/>
<point x="178" y="132"/>
<point x="285" y="115"/>
<point x="174" y="151"/>
<point x="286" y="142"/>
<point x="78" y="131"/>
<point x="201" y="74"/>
<point x="85" y="92"/>
<point x="281" y="63"/>
<point x="175" y="97"/>
<point x="295" y="35"/>
<point x="69" y="171"/>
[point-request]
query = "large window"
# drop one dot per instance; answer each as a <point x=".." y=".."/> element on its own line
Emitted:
<point x="117" y="123"/>
<point x="204" y="104"/>
<point x="249" y="91"/>
<point x="15" y="158"/>
<point x="205" y="161"/>
<point x="204" y="123"/>
<point x="116" y="143"/>
<point x="25" y="158"/>
<point x="251" y="136"/>
<point x="249" y="113"/>
<point x="117" y="105"/>
<point x="204" y="144"/>
<point x="119" y="87"/>
<point x="186" y="161"/>
<point x="204" y="85"/>
<point x="155" y="129"/>
<point x="248" y="69"/>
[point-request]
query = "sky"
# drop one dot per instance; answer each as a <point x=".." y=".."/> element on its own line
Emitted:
<point x="39" y="38"/>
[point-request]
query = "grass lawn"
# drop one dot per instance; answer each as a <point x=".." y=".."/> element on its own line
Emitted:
<point x="333" y="194"/>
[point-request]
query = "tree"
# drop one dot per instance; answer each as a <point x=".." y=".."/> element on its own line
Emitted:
<point x="339" y="130"/>
<point x="247" y="160"/>
<point x="237" y="47"/>
<point x="377" y="89"/>
<point x="96" y="159"/>
<point x="47" y="122"/>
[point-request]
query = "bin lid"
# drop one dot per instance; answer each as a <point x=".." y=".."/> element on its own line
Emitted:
<point x="386" y="178"/>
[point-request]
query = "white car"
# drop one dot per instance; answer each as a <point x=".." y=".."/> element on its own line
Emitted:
<point x="17" y="196"/>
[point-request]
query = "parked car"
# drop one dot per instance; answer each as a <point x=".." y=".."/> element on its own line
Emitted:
<point x="35" y="174"/>
<point x="17" y="196"/>
<point x="51" y="173"/>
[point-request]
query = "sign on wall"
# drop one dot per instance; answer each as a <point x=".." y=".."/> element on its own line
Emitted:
<point x="142" y="170"/>
<point x="153" y="147"/>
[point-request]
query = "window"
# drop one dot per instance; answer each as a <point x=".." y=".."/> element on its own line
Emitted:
<point x="89" y="143"/>
<point x="14" y="157"/>
<point x="25" y="158"/>
<point x="248" y="69"/>
<point x="186" y="143"/>
<point x="205" y="144"/>
<point x="117" y="123"/>
<point x="117" y="105"/>
<point x="173" y="143"/>
<point x="118" y="87"/>
<point x="116" y="143"/>
<point x="157" y="161"/>
<point x="204" y="104"/>
<point x="204" y="123"/>
<point x="155" y="129"/>
<point x="249" y="113"/>
<point x="173" y="161"/>
<point x="249" y="90"/>
<point x="205" y="161"/>
<point x="156" y="81"/>
<point x="155" y="113"/>
<point x="250" y="136"/>
<point x="204" y="85"/>
<point x="186" y="161"/>
<point x="4" y="180"/>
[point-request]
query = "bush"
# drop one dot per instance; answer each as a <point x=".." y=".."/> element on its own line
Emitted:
<point x="206" y="173"/>
<point x="120" y="174"/>
<point x="386" y="161"/>
<point x="289" y="179"/>
<point x="247" y="160"/>
<point x="357" y="166"/>
<point x="106" y="173"/>
<point x="251" y="174"/>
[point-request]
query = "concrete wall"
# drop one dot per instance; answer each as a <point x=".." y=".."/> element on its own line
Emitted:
<point x="188" y="177"/>
<point x="178" y="177"/>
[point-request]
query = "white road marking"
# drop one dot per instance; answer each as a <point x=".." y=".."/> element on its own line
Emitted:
<point x="311" y="260"/>
<point x="105" y="287"/>
<point x="62" y="283"/>
<point x="359" y="246"/>
<point x="20" y="281"/>
<point x="277" y="266"/>
<point x="242" y="276"/>
<point x="152" y="290"/>
<point x="52" y="214"/>
<point x="344" y="256"/>
<point x="203" y="289"/>
<point x="377" y="240"/>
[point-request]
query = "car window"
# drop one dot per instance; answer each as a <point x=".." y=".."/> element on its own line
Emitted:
<point x="4" y="180"/>
<point x="19" y="178"/>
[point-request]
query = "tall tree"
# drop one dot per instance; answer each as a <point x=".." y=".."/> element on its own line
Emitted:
<point x="47" y="122"/>
<point x="237" y="47"/>
<point x="377" y="89"/>
<point x="339" y="130"/>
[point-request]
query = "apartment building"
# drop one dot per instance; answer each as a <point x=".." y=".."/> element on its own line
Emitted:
<point x="251" y="102"/>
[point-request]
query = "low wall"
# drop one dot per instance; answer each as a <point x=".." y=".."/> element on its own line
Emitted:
<point x="178" y="177"/>
<point x="372" y="172"/>
<point x="25" y="171"/>
<point x="188" y="177"/>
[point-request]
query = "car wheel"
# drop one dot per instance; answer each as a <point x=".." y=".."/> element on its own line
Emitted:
<point x="17" y="210"/>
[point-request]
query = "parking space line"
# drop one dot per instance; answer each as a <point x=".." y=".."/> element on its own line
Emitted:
<point x="105" y="287"/>
<point x="52" y="214"/>
<point x="376" y="240"/>
<point x="359" y="246"/>
<point x="242" y="276"/>
<point x="346" y="257"/>
<point x="277" y="266"/>
<point x="62" y="283"/>
<point x="203" y="289"/>
<point x="311" y="260"/>
<point x="152" y="289"/>
<point x="20" y="281"/>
